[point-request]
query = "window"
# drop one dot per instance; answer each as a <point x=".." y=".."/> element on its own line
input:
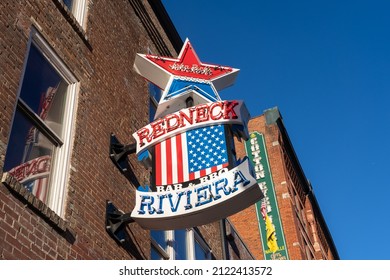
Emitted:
<point x="39" y="145"/>
<point x="160" y="245"/>
<point x="78" y="9"/>
<point x="183" y="244"/>
<point x="68" y="3"/>
<point x="201" y="251"/>
<point x="155" y="94"/>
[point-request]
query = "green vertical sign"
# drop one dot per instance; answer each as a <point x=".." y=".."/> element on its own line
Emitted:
<point x="270" y="225"/>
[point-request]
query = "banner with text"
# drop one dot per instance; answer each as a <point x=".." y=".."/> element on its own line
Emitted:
<point x="270" y="224"/>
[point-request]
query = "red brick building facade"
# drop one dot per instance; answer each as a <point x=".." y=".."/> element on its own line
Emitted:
<point x="67" y="83"/>
<point x="305" y="231"/>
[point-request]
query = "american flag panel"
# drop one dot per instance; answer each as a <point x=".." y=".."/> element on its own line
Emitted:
<point x="190" y="155"/>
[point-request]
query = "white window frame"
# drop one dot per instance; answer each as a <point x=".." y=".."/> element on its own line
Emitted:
<point x="79" y="11"/>
<point x="165" y="254"/>
<point x="191" y="236"/>
<point x="59" y="174"/>
<point x="169" y="252"/>
<point x="161" y="251"/>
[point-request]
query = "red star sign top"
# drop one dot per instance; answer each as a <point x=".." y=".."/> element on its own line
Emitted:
<point x="159" y="70"/>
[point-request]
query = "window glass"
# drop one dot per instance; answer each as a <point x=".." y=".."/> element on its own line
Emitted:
<point x="26" y="143"/>
<point x="200" y="252"/>
<point x="43" y="90"/>
<point x="155" y="255"/>
<point x="54" y="107"/>
<point x="68" y="3"/>
<point x="160" y="237"/>
<point x="155" y="92"/>
<point x="180" y="244"/>
<point x="155" y="95"/>
<point x="29" y="156"/>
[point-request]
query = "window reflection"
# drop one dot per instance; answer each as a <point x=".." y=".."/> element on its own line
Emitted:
<point x="155" y="92"/>
<point x="200" y="252"/>
<point x="181" y="244"/>
<point x="29" y="156"/>
<point x="155" y="255"/>
<point x="155" y="95"/>
<point x="69" y="4"/>
<point x="30" y="152"/>
<point x="160" y="237"/>
<point x="43" y="90"/>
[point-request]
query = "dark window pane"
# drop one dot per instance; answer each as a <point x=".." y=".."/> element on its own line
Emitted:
<point x="159" y="237"/>
<point x="180" y="244"/>
<point x="68" y="3"/>
<point x="155" y="255"/>
<point x="155" y="92"/>
<point x="29" y="155"/>
<point x="43" y="90"/>
<point x="155" y="95"/>
<point x="200" y="252"/>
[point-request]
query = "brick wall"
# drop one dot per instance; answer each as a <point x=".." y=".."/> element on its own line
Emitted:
<point x="212" y="235"/>
<point x="112" y="98"/>
<point x="237" y="248"/>
<point x="303" y="229"/>
<point x="246" y="221"/>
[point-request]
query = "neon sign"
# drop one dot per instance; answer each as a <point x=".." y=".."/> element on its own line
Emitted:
<point x="189" y="147"/>
<point x="218" y="195"/>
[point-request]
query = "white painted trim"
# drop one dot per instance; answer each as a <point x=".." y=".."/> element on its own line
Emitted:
<point x="61" y="167"/>
<point x="195" y="237"/>
<point x="61" y="164"/>
<point x="170" y="238"/>
<point x="50" y="55"/>
<point x="190" y="245"/>
<point x="79" y="11"/>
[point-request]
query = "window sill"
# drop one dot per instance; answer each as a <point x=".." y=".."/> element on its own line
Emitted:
<point x="34" y="203"/>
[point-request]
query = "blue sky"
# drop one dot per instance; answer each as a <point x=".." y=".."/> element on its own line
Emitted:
<point x="325" y="64"/>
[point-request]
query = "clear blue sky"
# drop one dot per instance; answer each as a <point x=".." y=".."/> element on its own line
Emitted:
<point x="326" y="65"/>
